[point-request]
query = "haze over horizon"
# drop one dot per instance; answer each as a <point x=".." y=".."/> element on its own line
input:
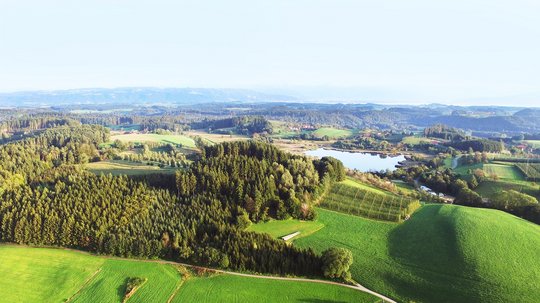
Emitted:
<point x="465" y="52"/>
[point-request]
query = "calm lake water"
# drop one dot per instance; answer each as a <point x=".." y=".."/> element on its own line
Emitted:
<point x="361" y="161"/>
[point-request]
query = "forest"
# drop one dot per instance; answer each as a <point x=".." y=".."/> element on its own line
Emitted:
<point x="48" y="199"/>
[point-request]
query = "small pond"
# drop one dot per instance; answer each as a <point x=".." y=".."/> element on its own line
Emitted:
<point x="361" y="161"/>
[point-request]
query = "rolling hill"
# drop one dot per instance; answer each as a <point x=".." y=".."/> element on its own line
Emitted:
<point x="56" y="275"/>
<point x="443" y="253"/>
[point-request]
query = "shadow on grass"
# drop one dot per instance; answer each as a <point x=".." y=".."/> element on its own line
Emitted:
<point x="433" y="268"/>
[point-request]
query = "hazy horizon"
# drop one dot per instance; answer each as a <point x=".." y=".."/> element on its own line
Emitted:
<point x="465" y="52"/>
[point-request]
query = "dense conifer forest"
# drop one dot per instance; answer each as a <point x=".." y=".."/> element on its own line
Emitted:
<point x="47" y="199"/>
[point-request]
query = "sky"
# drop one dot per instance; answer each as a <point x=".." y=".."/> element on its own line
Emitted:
<point x="472" y="51"/>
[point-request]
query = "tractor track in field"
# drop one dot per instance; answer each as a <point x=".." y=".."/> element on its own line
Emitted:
<point x="84" y="285"/>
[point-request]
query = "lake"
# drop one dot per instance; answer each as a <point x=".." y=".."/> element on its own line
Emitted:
<point x="361" y="161"/>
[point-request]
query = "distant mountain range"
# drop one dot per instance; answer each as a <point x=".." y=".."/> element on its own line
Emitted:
<point x="136" y="95"/>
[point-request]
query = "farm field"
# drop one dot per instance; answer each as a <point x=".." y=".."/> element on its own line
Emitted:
<point x="125" y="127"/>
<point x="215" y="138"/>
<point x="503" y="171"/>
<point x="172" y="139"/>
<point x="109" y="285"/>
<point x="355" y="198"/>
<point x="415" y="140"/>
<point x="229" y="288"/>
<point x="332" y="133"/>
<point x="280" y="228"/>
<point x="122" y="167"/>
<point x="56" y="275"/>
<point x="490" y="188"/>
<point x="530" y="170"/>
<point x="43" y="275"/>
<point x="443" y="253"/>
<point x="533" y="143"/>
<point x="464" y="169"/>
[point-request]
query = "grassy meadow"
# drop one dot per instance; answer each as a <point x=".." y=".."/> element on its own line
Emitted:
<point x="332" y="133"/>
<point x="229" y="288"/>
<point x="122" y="167"/>
<point x="503" y="171"/>
<point x="280" y="228"/>
<point x="56" y="275"/>
<point x="109" y="285"/>
<point x="533" y="143"/>
<point x="140" y="138"/>
<point x="443" y="253"/>
<point x="490" y="188"/>
<point x="216" y="138"/>
<point x="43" y="275"/>
<point x="415" y="140"/>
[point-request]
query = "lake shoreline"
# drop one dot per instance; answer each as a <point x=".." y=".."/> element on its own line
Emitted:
<point x="369" y="161"/>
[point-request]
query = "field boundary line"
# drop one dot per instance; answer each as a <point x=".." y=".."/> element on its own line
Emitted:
<point x="175" y="292"/>
<point x="86" y="283"/>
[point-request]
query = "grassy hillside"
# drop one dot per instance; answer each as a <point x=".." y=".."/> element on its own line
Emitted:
<point x="444" y="253"/>
<point x="355" y="198"/>
<point x="332" y="133"/>
<point x="227" y="288"/>
<point x="280" y="228"/>
<point x="416" y="140"/>
<point x="43" y="275"/>
<point x="503" y="171"/>
<point x="120" y="167"/>
<point x="55" y="275"/>
<point x="109" y="285"/>
<point x="173" y="139"/>
<point x="490" y="188"/>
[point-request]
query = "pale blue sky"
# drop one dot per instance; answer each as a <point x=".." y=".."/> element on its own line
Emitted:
<point x="381" y="50"/>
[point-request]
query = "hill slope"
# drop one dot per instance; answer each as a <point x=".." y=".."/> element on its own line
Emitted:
<point x="56" y="275"/>
<point x="444" y="253"/>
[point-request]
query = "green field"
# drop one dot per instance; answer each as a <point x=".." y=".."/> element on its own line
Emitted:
<point x="43" y="275"/>
<point x="355" y="198"/>
<point x="56" y="275"/>
<point x="464" y="169"/>
<point x="415" y="140"/>
<point x="444" y="253"/>
<point x="491" y="188"/>
<point x="533" y="143"/>
<point x="332" y="133"/>
<point x="228" y="288"/>
<point x="121" y="167"/>
<point x="172" y="139"/>
<point x="503" y="171"/>
<point x="109" y="284"/>
<point x="125" y="127"/>
<point x="530" y="170"/>
<point x="280" y="228"/>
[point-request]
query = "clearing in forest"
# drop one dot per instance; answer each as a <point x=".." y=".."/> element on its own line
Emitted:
<point x="140" y="138"/>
